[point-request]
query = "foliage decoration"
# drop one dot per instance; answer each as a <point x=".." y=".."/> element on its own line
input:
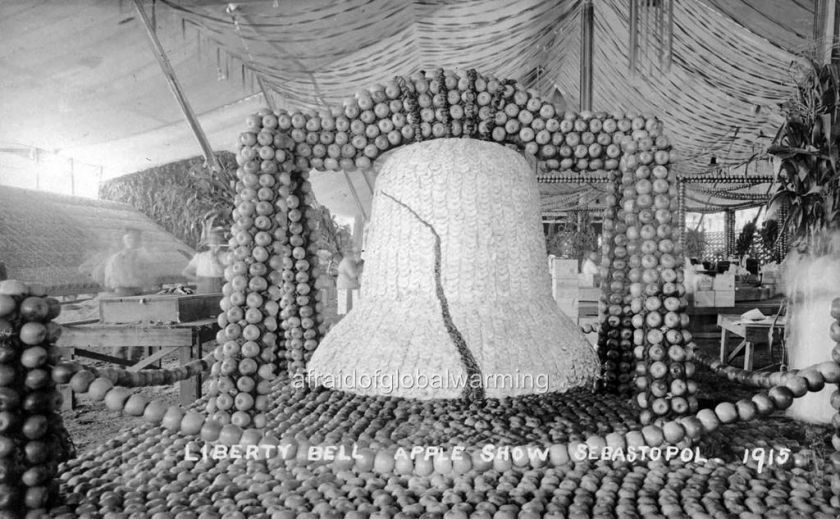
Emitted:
<point x="179" y="196"/>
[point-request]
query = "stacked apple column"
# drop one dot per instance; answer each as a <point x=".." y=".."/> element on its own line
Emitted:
<point x="268" y="317"/>
<point x="643" y="307"/>
<point x="33" y="440"/>
<point x="614" y="345"/>
<point x="834" y="332"/>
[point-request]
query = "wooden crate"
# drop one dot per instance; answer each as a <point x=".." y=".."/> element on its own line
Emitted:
<point x="159" y="308"/>
<point x="724" y="298"/>
<point x="704" y="298"/>
<point x="589" y="294"/>
<point x="753" y="293"/>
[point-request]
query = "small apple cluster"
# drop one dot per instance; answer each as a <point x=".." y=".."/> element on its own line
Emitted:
<point x="33" y="440"/>
<point x="615" y="348"/>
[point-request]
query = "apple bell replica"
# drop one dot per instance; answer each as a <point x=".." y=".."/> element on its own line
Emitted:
<point x="457" y="299"/>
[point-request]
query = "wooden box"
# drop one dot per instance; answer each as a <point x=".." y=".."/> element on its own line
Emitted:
<point x="159" y="308"/>
<point x="568" y="306"/>
<point x="725" y="298"/>
<point x="565" y="269"/>
<point x="723" y="282"/>
<point x="589" y="294"/>
<point x="704" y="298"/>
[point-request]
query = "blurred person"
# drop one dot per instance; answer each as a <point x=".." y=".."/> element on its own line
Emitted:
<point x="347" y="281"/>
<point x="128" y="272"/>
<point x="207" y="267"/>
<point x="590" y="264"/>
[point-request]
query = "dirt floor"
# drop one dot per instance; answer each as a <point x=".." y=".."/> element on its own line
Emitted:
<point x="90" y="422"/>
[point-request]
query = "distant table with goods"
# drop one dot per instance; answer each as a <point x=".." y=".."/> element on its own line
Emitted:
<point x="703" y="319"/>
<point x="752" y="332"/>
<point x="162" y="325"/>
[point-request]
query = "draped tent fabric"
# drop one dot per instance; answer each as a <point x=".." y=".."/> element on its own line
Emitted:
<point x="720" y="98"/>
<point x="734" y="63"/>
<point x="315" y="54"/>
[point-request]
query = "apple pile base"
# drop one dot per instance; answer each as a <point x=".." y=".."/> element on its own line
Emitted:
<point x="148" y="470"/>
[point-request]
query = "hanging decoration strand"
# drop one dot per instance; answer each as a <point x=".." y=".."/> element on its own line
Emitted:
<point x="669" y="56"/>
<point x="634" y="31"/>
<point x="651" y="36"/>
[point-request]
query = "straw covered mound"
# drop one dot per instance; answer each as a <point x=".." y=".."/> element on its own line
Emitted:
<point x="455" y="284"/>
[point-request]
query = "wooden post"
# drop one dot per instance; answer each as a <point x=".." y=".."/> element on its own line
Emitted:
<point x="681" y="212"/>
<point x="72" y="177"/>
<point x="37" y="168"/>
<point x="358" y="232"/>
<point x="825" y="29"/>
<point x="177" y="91"/>
<point x="729" y="232"/>
<point x="586" y="50"/>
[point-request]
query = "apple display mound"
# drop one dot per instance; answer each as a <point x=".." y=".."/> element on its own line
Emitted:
<point x="456" y="283"/>
<point x="146" y="471"/>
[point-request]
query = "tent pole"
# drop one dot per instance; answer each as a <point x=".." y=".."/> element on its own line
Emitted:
<point x="177" y="91"/>
<point x="268" y="100"/>
<point x="729" y="227"/>
<point x="825" y="17"/>
<point x="367" y="181"/>
<point x="72" y="177"/>
<point x="355" y="195"/>
<point x="586" y="49"/>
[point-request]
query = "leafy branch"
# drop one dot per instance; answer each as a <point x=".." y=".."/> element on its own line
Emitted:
<point x="808" y="184"/>
<point x="180" y="196"/>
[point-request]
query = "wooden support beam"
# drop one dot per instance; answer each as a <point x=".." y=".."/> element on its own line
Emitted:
<point x="79" y="352"/>
<point x="122" y="336"/>
<point x="177" y="91"/>
<point x="825" y="29"/>
<point x="355" y="195"/>
<point x="268" y="100"/>
<point x="154" y="357"/>
<point x="729" y="227"/>
<point x="368" y="181"/>
<point x="587" y="42"/>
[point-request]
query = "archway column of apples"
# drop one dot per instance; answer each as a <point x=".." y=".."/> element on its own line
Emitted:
<point x="33" y="440"/>
<point x="644" y="337"/>
<point x="271" y="313"/>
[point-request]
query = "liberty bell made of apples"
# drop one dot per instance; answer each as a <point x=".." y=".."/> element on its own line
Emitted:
<point x="456" y="298"/>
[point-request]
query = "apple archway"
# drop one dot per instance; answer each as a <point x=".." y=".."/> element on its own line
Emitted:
<point x="271" y="314"/>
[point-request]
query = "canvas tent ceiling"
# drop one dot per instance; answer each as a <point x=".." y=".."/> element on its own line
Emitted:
<point x="80" y="76"/>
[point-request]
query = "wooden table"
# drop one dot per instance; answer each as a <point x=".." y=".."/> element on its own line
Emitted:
<point x="751" y="331"/>
<point x="185" y="339"/>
